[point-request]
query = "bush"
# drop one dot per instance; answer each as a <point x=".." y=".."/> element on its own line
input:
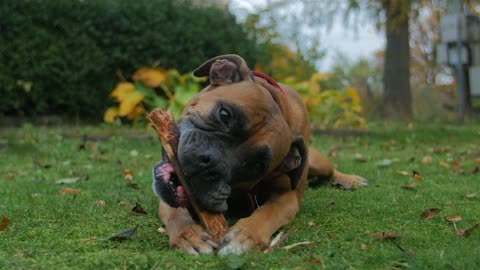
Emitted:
<point x="63" y="56"/>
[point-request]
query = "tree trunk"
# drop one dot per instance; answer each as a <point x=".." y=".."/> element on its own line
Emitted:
<point x="397" y="97"/>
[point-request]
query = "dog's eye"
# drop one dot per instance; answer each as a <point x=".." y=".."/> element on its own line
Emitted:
<point x="224" y="116"/>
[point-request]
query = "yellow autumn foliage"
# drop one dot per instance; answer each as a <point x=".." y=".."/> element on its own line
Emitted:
<point x="151" y="77"/>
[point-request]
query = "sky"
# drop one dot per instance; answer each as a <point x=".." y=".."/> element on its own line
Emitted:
<point x="339" y="39"/>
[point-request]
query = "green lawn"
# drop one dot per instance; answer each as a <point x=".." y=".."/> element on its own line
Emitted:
<point x="52" y="231"/>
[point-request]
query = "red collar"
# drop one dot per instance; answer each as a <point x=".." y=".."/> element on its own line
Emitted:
<point x="268" y="79"/>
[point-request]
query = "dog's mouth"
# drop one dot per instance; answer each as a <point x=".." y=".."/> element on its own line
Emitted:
<point x="168" y="175"/>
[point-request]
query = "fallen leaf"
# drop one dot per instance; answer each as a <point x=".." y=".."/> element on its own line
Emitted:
<point x="475" y="170"/>
<point x="4" y="224"/>
<point x="70" y="191"/>
<point x="360" y="158"/>
<point x="415" y="173"/>
<point x="477" y="160"/>
<point x="457" y="168"/>
<point x="311" y="224"/>
<point x="128" y="177"/>
<point x="91" y="239"/>
<point x="133" y="185"/>
<point x="410" y="186"/>
<point x="418" y="178"/>
<point x="306" y="243"/>
<point x="10" y="176"/>
<point x="123" y="235"/>
<point x="278" y="240"/>
<point x="67" y="180"/>
<point x="363" y="247"/>
<point x="134" y="153"/>
<point x="454" y="218"/>
<point x="331" y="235"/>
<point x="427" y="160"/>
<point x="390" y="235"/>
<point x="430" y="213"/>
<point x="125" y="203"/>
<point x="138" y="209"/>
<point x="444" y="164"/>
<point x="384" y="163"/>
<point x="471" y="196"/>
<point x="162" y="230"/>
<point x="405" y="173"/>
<point x="100" y="203"/>
<point x="469" y="231"/>
<point x="41" y="165"/>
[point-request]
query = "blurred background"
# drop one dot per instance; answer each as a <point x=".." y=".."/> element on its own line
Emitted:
<point x="353" y="61"/>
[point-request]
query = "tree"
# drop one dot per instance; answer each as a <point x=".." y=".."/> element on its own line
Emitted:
<point x="300" y="22"/>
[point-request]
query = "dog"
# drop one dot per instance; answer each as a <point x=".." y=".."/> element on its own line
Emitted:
<point x="243" y="148"/>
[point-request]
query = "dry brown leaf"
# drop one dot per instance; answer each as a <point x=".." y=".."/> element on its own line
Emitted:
<point x="311" y="224"/>
<point x="410" y="186"/>
<point x="444" y="164"/>
<point x="457" y="168"/>
<point x="390" y="235"/>
<point x="405" y="173"/>
<point x="454" y="218"/>
<point x="128" y="177"/>
<point x="10" y="176"/>
<point x="306" y="243"/>
<point x="360" y="158"/>
<point x="418" y="178"/>
<point x="138" y="209"/>
<point x="430" y="213"/>
<point x="162" y="230"/>
<point x="477" y="160"/>
<point x="363" y="247"/>
<point x="469" y="231"/>
<point x="471" y="196"/>
<point x="277" y="241"/>
<point x="475" y="170"/>
<point x="330" y="203"/>
<point x="71" y="191"/>
<point x="125" y="203"/>
<point x="100" y="203"/>
<point x="427" y="160"/>
<point x="5" y="222"/>
<point x="331" y="235"/>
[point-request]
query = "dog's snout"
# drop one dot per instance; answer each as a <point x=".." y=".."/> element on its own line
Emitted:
<point x="195" y="161"/>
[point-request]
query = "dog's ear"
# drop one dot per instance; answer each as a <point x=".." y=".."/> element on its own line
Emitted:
<point x="294" y="163"/>
<point x="224" y="69"/>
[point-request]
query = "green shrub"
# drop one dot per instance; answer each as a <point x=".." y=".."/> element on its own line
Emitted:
<point x="63" y="56"/>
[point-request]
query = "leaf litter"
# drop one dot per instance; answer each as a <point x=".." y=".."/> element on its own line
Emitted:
<point x="430" y="213"/>
<point x="4" y="224"/>
<point x="123" y="235"/>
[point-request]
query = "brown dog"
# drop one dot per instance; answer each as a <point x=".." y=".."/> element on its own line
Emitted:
<point x="243" y="146"/>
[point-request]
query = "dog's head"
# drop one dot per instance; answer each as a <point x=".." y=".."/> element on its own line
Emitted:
<point x="233" y="134"/>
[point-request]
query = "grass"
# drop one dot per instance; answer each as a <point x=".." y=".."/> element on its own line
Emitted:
<point x="51" y="231"/>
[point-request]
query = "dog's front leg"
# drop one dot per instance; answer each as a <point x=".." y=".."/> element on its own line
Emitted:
<point x="256" y="230"/>
<point x="183" y="231"/>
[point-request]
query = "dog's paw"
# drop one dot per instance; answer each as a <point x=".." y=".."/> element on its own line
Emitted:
<point x="348" y="181"/>
<point x="240" y="239"/>
<point x="194" y="240"/>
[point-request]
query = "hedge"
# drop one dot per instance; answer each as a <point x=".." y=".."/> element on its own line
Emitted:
<point x="62" y="57"/>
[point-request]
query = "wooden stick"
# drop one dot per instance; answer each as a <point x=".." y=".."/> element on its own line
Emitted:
<point x="163" y="123"/>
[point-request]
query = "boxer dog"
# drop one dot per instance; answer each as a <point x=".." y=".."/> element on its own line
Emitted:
<point x="243" y="148"/>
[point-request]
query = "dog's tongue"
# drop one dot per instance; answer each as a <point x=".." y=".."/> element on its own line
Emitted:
<point x="169" y="175"/>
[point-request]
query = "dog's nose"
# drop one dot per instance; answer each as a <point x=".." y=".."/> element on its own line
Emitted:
<point x="198" y="160"/>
